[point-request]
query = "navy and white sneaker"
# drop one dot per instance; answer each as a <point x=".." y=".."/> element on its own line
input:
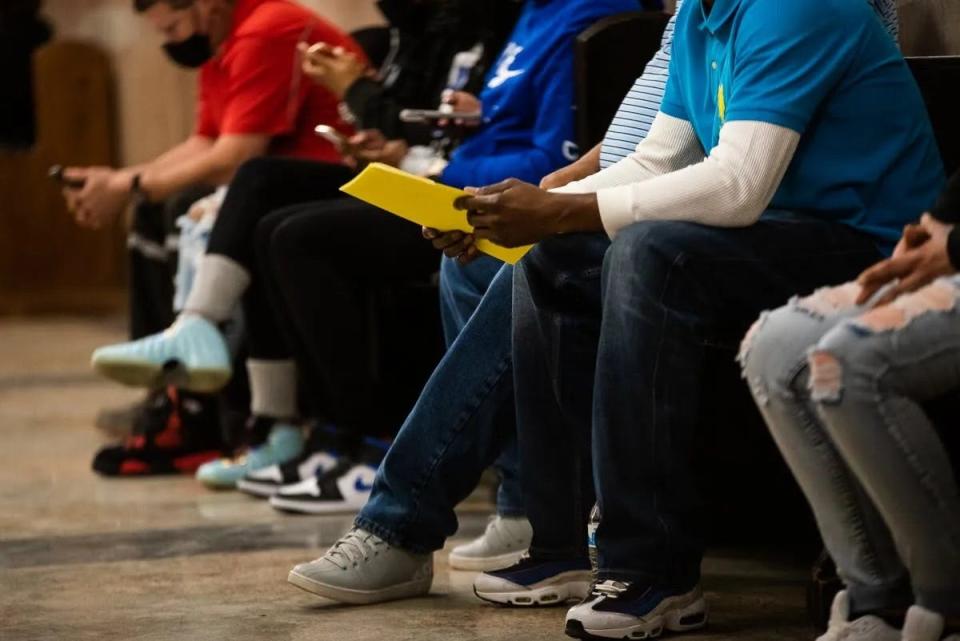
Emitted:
<point x="266" y="482"/>
<point x="533" y="582"/>
<point x="320" y="455"/>
<point x="343" y="490"/>
<point x="624" y="610"/>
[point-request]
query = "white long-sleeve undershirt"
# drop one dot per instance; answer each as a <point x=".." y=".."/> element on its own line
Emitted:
<point x="668" y="178"/>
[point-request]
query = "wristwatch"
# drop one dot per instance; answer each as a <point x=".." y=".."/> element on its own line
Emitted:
<point x="136" y="191"/>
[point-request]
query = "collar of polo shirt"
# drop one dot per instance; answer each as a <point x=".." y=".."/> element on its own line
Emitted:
<point x="716" y="17"/>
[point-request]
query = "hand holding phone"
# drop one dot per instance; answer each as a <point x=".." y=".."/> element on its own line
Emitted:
<point x="57" y="173"/>
<point x="333" y="136"/>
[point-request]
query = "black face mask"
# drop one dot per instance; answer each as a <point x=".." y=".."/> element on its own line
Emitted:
<point x="192" y="52"/>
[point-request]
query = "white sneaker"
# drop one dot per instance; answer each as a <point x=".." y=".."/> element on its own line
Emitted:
<point x="865" y="628"/>
<point x="362" y="568"/>
<point x="500" y="546"/>
<point x="267" y="481"/>
<point x="924" y="625"/>
<point x="623" y="610"/>
<point x="343" y="490"/>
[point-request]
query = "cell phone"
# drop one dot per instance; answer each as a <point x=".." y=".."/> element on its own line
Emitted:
<point x="433" y="115"/>
<point x="56" y="173"/>
<point x="335" y="138"/>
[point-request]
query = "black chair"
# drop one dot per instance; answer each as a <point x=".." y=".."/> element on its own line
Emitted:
<point x="938" y="77"/>
<point x="610" y="56"/>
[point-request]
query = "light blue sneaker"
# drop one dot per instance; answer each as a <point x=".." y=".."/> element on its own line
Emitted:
<point x="284" y="444"/>
<point x="191" y="354"/>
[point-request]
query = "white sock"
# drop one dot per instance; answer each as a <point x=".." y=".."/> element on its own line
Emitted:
<point x="273" y="388"/>
<point x="217" y="288"/>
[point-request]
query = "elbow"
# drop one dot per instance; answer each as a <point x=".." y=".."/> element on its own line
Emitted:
<point x="748" y="212"/>
<point x="745" y="204"/>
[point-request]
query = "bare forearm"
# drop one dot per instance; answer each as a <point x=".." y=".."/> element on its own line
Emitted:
<point x="590" y="161"/>
<point x="577" y="213"/>
<point x="189" y="148"/>
<point x="213" y="166"/>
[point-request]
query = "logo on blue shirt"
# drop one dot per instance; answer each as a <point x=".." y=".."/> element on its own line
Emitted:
<point x="504" y="72"/>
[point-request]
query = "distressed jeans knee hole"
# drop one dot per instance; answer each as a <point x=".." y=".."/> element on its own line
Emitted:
<point x="826" y="377"/>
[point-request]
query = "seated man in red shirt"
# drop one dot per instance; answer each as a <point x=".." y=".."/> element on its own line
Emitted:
<point x="253" y="101"/>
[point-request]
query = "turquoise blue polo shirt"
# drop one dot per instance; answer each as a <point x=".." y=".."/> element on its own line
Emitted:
<point x="829" y="71"/>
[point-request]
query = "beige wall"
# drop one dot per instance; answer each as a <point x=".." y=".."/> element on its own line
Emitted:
<point x="154" y="98"/>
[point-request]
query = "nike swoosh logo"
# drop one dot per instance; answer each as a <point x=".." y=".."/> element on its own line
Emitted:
<point x="360" y="486"/>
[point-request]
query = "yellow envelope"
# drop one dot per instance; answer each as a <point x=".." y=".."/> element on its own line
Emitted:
<point x="421" y="201"/>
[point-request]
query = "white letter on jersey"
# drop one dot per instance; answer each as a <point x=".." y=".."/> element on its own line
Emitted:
<point x="504" y="72"/>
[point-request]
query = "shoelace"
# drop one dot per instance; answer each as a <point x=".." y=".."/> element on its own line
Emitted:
<point x="353" y="548"/>
<point x="610" y="589"/>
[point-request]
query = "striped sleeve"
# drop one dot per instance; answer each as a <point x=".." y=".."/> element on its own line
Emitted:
<point x="887" y="12"/>
<point x="632" y="122"/>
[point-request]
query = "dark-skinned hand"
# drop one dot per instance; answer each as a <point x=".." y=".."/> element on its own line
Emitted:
<point x="458" y="245"/>
<point x="920" y="258"/>
<point x="513" y="213"/>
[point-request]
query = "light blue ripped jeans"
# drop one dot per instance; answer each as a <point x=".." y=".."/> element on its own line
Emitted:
<point x="840" y="387"/>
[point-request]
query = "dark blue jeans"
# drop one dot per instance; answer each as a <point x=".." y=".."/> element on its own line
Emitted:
<point x="609" y="343"/>
<point x="456" y="430"/>
<point x="462" y="289"/>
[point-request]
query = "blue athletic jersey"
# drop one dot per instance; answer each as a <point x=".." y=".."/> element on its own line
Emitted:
<point x="528" y="126"/>
<point x="829" y="71"/>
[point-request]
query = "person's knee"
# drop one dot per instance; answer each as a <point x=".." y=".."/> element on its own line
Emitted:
<point x="852" y="358"/>
<point x="653" y="246"/>
<point x="254" y="171"/>
<point x="550" y="255"/>
<point x="939" y="296"/>
<point x="771" y="357"/>
<point x="280" y="241"/>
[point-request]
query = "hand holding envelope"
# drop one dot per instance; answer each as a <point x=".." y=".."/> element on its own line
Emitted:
<point x="421" y="201"/>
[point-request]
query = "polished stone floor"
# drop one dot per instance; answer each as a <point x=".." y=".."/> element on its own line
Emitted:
<point x="87" y="558"/>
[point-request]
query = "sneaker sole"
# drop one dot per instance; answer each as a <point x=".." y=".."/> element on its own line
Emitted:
<point x="150" y="375"/>
<point x="483" y="564"/>
<point x="312" y="507"/>
<point x="259" y="490"/>
<point x="686" y="619"/>
<point x="412" y="589"/>
<point x="548" y="595"/>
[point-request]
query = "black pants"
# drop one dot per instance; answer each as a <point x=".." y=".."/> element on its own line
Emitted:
<point x="152" y="251"/>
<point x="260" y="187"/>
<point x="328" y="266"/>
<point x="312" y="280"/>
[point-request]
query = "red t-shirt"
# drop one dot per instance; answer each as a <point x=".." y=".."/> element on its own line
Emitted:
<point x="254" y="85"/>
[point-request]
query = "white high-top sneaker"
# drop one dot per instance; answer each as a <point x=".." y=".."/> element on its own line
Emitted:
<point x="865" y="628"/>
<point x="362" y="568"/>
<point x="500" y="546"/>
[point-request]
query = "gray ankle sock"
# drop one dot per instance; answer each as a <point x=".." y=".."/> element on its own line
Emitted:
<point x="273" y="388"/>
<point x="217" y="288"/>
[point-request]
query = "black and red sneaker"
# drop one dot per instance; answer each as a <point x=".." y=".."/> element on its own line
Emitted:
<point x="174" y="434"/>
